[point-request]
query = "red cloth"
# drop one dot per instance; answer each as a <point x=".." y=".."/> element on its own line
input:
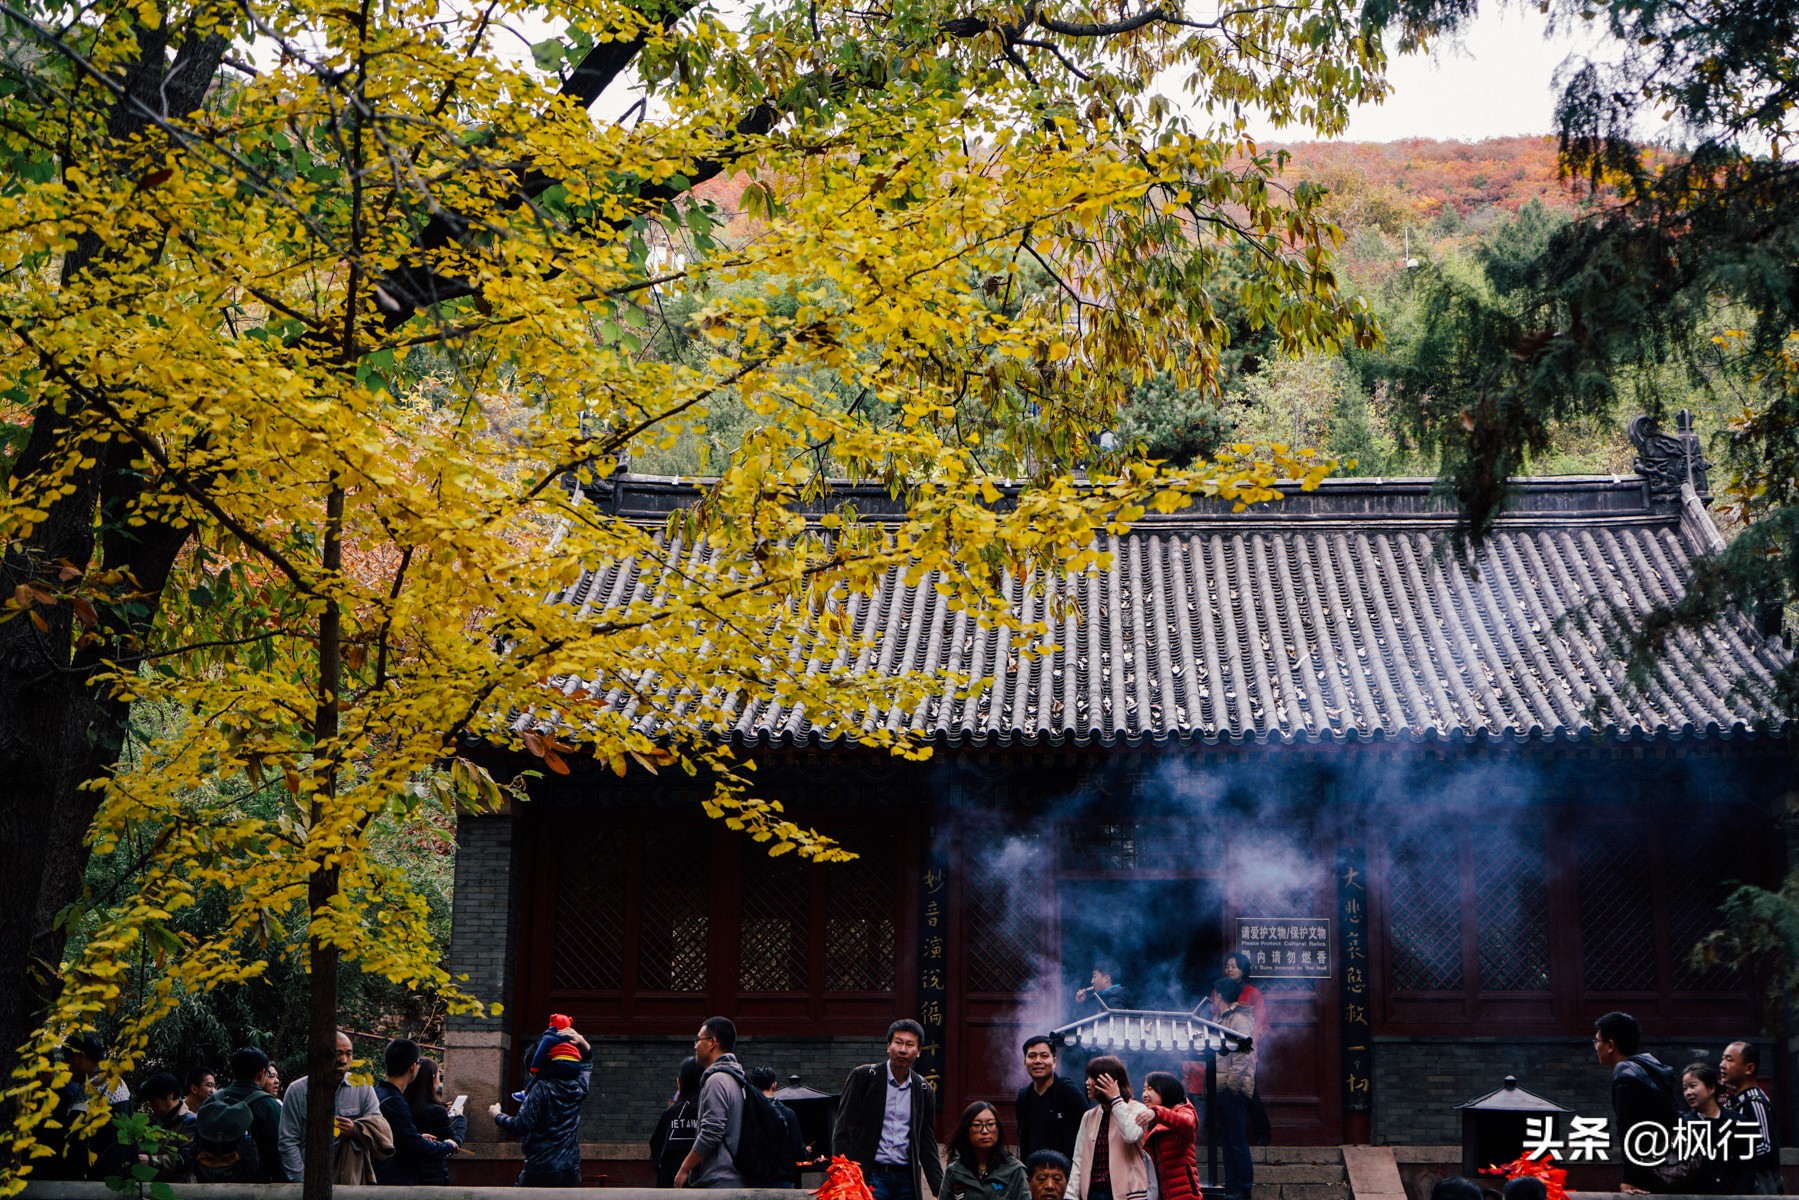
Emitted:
<point x="1171" y="1152"/>
<point x="1252" y="1000"/>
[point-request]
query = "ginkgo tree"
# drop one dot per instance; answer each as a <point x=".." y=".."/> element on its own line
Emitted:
<point x="320" y="317"/>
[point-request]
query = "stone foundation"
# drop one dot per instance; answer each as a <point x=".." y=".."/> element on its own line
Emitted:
<point x="1418" y="1082"/>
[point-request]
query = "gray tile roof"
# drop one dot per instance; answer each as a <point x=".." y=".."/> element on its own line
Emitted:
<point x="1331" y="616"/>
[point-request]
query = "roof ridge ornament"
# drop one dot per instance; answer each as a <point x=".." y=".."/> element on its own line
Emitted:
<point x="1668" y="460"/>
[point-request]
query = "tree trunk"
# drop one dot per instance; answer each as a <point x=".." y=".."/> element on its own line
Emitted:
<point x="321" y="1041"/>
<point x="321" y="887"/>
<point x="58" y="733"/>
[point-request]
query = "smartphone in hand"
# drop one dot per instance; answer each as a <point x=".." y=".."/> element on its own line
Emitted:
<point x="457" y="1105"/>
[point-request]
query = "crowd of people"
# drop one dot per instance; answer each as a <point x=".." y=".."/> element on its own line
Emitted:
<point x="726" y="1129"/>
<point x="1101" y="1142"/>
<point x="252" y="1130"/>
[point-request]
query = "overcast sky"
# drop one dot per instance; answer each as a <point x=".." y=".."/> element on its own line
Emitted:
<point x="1497" y="82"/>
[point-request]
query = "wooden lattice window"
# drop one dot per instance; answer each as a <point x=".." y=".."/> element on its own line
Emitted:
<point x="1698" y="879"/>
<point x="590" y="917"/>
<point x="859" y="933"/>
<point x="772" y="929"/>
<point x="1003" y="939"/>
<point x="1424" y="921"/>
<point x="671" y="947"/>
<point x="1617" y="911"/>
<point x="1512" y="918"/>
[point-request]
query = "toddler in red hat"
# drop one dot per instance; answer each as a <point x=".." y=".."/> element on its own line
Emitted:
<point x="556" y="1054"/>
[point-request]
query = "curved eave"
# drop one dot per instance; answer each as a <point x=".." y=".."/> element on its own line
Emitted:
<point x="1180" y="739"/>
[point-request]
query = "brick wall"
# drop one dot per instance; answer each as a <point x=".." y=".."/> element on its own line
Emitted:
<point x="483" y="944"/>
<point x="1419" y="1081"/>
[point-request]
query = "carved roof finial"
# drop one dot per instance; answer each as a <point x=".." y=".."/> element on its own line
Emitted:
<point x="1667" y="460"/>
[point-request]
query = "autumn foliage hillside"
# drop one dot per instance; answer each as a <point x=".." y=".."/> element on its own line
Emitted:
<point x="1418" y="180"/>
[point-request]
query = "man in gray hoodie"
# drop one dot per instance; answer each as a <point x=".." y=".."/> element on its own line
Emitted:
<point x="711" y="1162"/>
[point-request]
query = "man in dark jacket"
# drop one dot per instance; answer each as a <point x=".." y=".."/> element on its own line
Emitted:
<point x="1049" y="1107"/>
<point x="414" y="1153"/>
<point x="885" y="1121"/>
<point x="250" y="1073"/>
<point x="1643" y="1090"/>
<point x="763" y="1080"/>
<point x="549" y="1121"/>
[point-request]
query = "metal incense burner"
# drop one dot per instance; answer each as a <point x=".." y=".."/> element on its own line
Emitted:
<point x="1185" y="1033"/>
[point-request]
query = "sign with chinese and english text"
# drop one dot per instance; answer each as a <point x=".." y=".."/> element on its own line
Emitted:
<point x="1286" y="947"/>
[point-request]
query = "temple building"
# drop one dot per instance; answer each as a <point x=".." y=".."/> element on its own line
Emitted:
<point x="1421" y="794"/>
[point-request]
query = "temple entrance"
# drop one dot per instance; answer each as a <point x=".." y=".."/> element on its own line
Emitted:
<point x="1166" y="937"/>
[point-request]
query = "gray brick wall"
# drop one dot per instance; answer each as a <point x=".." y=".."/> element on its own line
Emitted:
<point x="633" y="1077"/>
<point x="1419" y="1081"/>
<point x="484" y="914"/>
<point x="483" y="944"/>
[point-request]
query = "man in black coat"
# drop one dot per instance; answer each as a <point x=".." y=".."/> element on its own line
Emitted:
<point x="414" y="1152"/>
<point x="1643" y="1091"/>
<point x="1050" y="1107"/>
<point x="885" y="1121"/>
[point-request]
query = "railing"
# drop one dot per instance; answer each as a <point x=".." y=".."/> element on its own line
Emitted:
<point x="1148" y="1029"/>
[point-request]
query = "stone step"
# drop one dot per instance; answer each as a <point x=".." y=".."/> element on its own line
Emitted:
<point x="1373" y="1173"/>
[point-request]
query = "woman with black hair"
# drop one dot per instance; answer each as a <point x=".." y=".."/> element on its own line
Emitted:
<point x="980" y="1166"/>
<point x="425" y="1096"/>
<point x="679" y="1124"/>
<point x="1170" y="1126"/>
<point x="1236" y="966"/>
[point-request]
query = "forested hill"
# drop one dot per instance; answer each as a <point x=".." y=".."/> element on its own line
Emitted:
<point x="1419" y="181"/>
<point x="1429" y="187"/>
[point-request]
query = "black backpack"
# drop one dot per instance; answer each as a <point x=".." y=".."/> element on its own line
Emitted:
<point x="762" y="1146"/>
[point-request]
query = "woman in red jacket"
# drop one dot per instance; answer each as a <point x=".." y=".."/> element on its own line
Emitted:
<point x="1171" y="1123"/>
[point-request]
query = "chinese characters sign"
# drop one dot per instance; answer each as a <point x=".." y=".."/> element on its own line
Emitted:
<point x="933" y="928"/>
<point x="1286" y="947"/>
<point x="1352" y="990"/>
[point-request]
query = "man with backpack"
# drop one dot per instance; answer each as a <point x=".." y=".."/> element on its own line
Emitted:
<point x="742" y="1138"/>
<point x="793" y="1146"/>
<point x="250" y="1073"/>
<point x="712" y="1163"/>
